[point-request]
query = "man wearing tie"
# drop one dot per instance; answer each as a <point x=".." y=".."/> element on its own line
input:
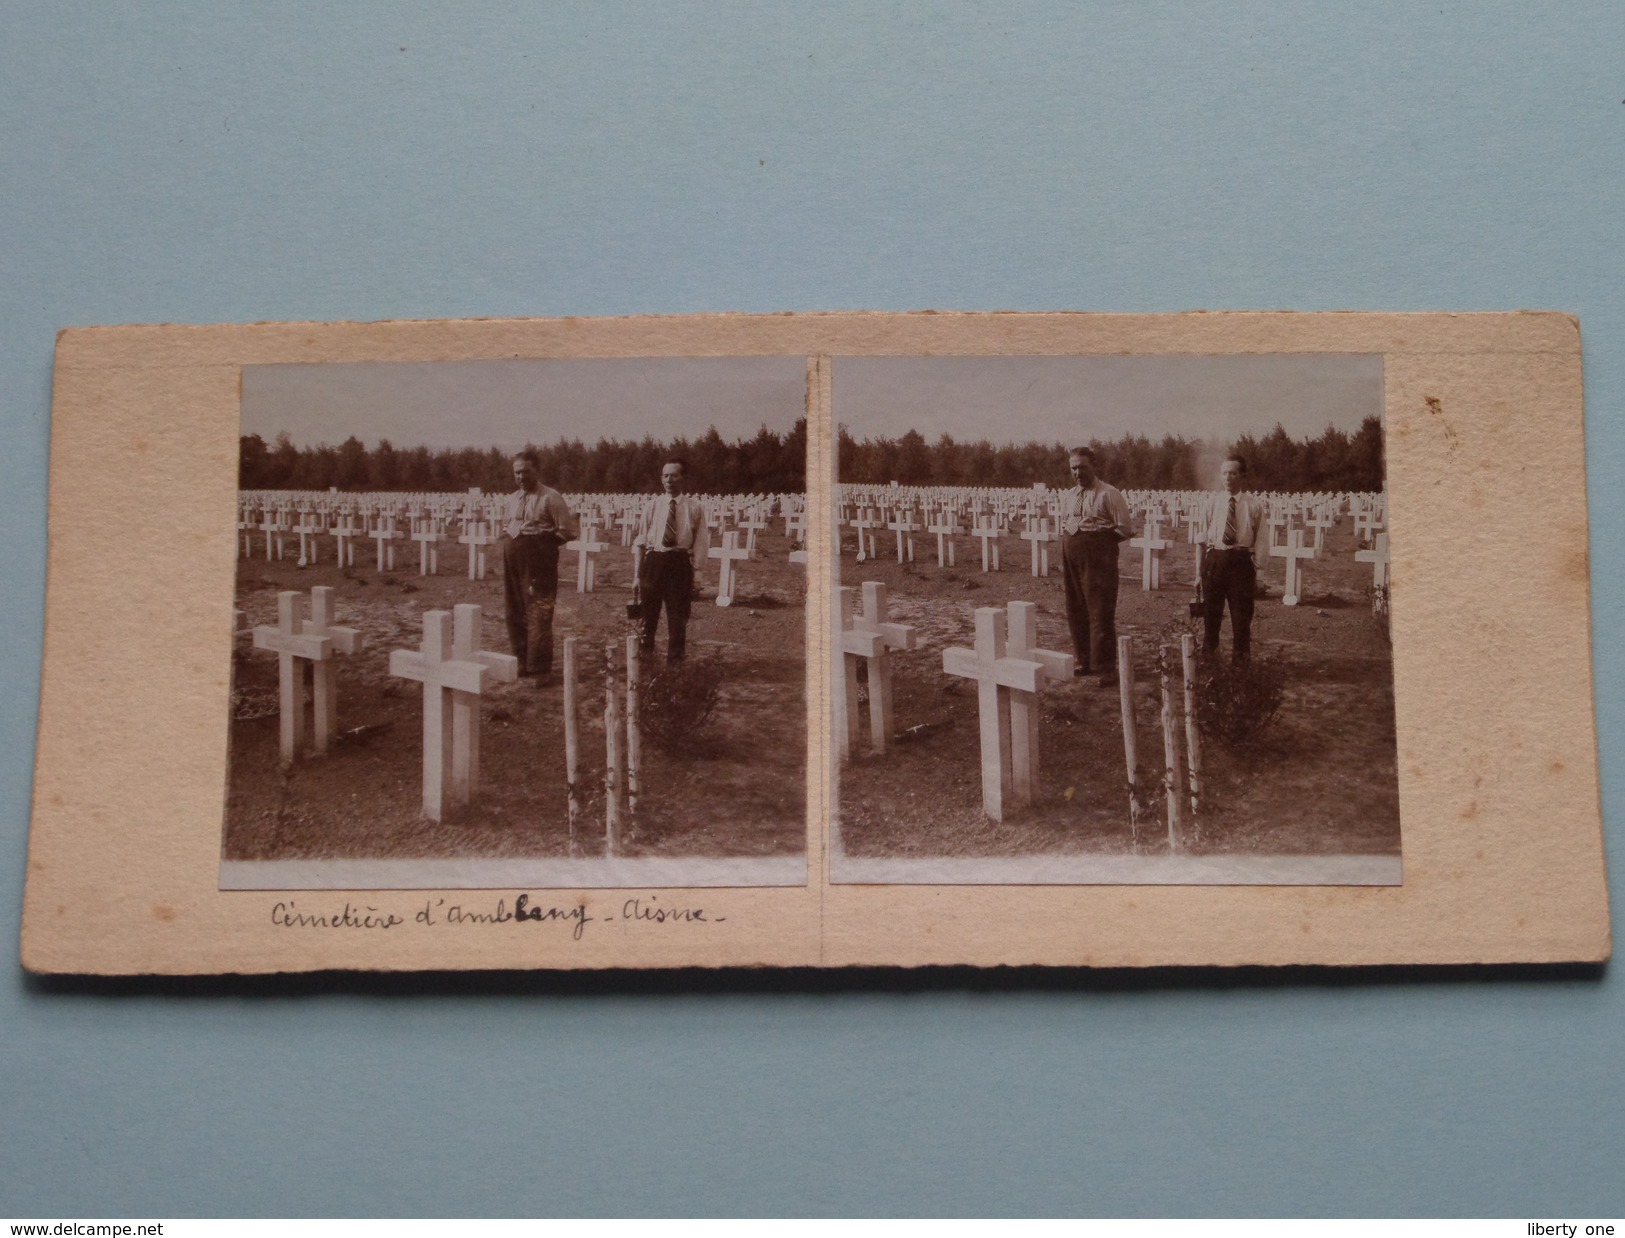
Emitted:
<point x="671" y="532"/>
<point x="537" y="521"/>
<point x="1095" y="520"/>
<point x="1228" y="574"/>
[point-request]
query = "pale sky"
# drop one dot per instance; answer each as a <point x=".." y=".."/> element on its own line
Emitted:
<point x="1067" y="399"/>
<point x="507" y="403"/>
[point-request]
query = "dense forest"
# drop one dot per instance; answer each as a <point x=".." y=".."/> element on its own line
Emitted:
<point x="1333" y="461"/>
<point x="773" y="463"/>
<point x="769" y="463"/>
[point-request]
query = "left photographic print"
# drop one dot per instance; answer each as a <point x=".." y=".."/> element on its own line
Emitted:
<point x="530" y="622"/>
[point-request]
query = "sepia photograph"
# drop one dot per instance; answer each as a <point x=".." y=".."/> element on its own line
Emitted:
<point x="520" y="623"/>
<point x="1113" y="619"/>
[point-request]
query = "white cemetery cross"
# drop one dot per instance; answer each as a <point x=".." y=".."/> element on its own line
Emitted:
<point x="1040" y="533"/>
<point x="1292" y="551"/>
<point x="905" y="527"/>
<point x="344" y="534"/>
<point x="426" y="533"/>
<point x="865" y="522"/>
<point x="874" y="621"/>
<point x="384" y="533"/>
<point x="996" y="675"/>
<point x="852" y="646"/>
<point x="477" y="535"/>
<point x="1377" y="556"/>
<point x="728" y="554"/>
<point x="245" y="529"/>
<point x="1022" y="643"/>
<point x="272" y="526"/>
<point x="324" y="691"/>
<point x="987" y="529"/>
<point x="310" y="526"/>
<point x="587" y="547"/>
<point x="1153" y="545"/>
<point x="627" y="523"/>
<point x="1366" y="525"/>
<point x="752" y="524"/>
<point x="1272" y="526"/>
<point x="1320" y="522"/>
<point x="454" y="672"/>
<point x="795" y="526"/>
<point x="945" y="528"/>
<point x="293" y="646"/>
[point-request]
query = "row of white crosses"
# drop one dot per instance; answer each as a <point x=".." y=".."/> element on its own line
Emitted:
<point x="450" y="664"/>
<point x="428" y="515"/>
<point x="455" y="672"/>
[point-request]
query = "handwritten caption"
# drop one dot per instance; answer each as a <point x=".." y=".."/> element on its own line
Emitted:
<point x="642" y="910"/>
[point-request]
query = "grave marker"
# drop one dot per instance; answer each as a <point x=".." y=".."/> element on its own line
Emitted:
<point x="1377" y="556"/>
<point x="454" y="672"/>
<point x="727" y="554"/>
<point x="996" y="675"/>
<point x="587" y="548"/>
<point x="1040" y="534"/>
<point x="476" y="535"/>
<point x="987" y="530"/>
<point x="1022" y="642"/>
<point x="1292" y="551"/>
<point x="1152" y="545"/>
<point x="293" y="646"/>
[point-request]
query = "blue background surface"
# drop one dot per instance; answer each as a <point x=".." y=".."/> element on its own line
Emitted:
<point x="215" y="163"/>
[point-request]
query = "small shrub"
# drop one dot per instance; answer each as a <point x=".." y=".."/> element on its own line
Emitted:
<point x="1237" y="701"/>
<point x="677" y="707"/>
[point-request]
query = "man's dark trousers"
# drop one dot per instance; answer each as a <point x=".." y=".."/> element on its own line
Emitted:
<point x="666" y="579"/>
<point x="1229" y="576"/>
<point x="530" y="580"/>
<point x="1089" y="571"/>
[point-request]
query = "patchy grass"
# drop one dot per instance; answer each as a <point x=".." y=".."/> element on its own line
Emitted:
<point x="744" y="795"/>
<point x="1322" y="779"/>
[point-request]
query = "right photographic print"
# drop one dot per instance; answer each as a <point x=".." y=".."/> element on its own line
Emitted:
<point x="1112" y="620"/>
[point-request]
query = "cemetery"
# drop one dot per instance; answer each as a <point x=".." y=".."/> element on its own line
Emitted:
<point x="378" y="712"/>
<point x="961" y="730"/>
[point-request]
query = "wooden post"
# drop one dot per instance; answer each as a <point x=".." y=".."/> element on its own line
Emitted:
<point x="612" y="756"/>
<point x="572" y="740"/>
<point x="1172" y="781"/>
<point x="1193" y="739"/>
<point x="633" y="745"/>
<point x="1125" y="687"/>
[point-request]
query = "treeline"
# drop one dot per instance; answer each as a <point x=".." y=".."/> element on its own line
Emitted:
<point x="1334" y="461"/>
<point x="769" y="463"/>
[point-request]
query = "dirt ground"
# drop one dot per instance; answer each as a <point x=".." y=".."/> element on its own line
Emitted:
<point x="744" y="796"/>
<point x="1323" y="779"/>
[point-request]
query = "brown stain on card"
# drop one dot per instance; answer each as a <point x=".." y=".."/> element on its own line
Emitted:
<point x="165" y="914"/>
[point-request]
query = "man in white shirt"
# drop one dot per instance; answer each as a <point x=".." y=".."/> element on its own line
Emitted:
<point x="671" y="535"/>
<point x="1233" y="520"/>
<point x="536" y="522"/>
<point x="1094" y="522"/>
